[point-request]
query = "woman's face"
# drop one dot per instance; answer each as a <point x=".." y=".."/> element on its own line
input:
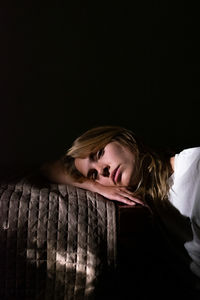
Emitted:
<point x="112" y="165"/>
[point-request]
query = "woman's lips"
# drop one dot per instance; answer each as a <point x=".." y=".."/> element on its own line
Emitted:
<point x="116" y="175"/>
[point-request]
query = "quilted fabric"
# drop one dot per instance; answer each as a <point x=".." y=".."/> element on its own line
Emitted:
<point x="57" y="241"/>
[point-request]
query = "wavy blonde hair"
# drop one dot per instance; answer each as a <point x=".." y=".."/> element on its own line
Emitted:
<point x="153" y="170"/>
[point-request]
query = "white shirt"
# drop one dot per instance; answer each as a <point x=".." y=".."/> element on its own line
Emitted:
<point x="184" y="195"/>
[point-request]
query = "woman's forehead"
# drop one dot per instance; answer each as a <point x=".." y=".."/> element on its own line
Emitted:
<point x="82" y="165"/>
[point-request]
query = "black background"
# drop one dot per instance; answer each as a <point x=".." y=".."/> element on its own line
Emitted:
<point x="71" y="65"/>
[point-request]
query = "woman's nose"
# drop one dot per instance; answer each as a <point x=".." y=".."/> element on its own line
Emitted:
<point x="103" y="170"/>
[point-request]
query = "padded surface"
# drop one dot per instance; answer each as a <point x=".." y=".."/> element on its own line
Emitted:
<point x="57" y="241"/>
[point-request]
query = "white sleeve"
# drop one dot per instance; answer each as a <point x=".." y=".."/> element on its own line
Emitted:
<point x="193" y="246"/>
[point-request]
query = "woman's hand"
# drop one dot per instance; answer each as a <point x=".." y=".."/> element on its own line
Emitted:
<point x="118" y="193"/>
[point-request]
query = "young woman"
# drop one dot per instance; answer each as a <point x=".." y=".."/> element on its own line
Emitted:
<point x="111" y="161"/>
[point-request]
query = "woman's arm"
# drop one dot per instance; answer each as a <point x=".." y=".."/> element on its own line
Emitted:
<point x="56" y="172"/>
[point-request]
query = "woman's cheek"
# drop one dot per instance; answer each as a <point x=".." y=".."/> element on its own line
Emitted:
<point x="126" y="178"/>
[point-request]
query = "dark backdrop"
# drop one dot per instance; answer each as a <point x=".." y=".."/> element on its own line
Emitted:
<point x="77" y="64"/>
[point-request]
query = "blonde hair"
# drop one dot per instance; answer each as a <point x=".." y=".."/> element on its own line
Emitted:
<point x="153" y="170"/>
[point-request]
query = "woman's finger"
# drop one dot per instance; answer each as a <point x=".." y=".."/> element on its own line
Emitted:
<point x="130" y="197"/>
<point x="129" y="194"/>
<point x="125" y="201"/>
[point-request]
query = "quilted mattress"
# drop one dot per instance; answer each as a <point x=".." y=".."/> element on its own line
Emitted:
<point x="56" y="241"/>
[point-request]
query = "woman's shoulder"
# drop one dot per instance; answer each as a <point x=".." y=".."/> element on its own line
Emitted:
<point x="186" y="158"/>
<point x="189" y="152"/>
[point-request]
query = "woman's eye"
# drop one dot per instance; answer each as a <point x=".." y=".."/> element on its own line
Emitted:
<point x="100" y="153"/>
